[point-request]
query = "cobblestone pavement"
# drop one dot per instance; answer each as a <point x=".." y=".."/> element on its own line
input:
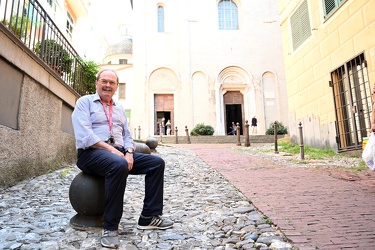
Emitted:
<point x="209" y="212"/>
<point x="317" y="204"/>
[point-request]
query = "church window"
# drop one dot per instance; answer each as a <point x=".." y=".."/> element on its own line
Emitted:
<point x="160" y="19"/>
<point x="228" y="15"/>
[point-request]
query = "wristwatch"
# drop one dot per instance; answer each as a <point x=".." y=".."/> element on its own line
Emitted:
<point x="129" y="150"/>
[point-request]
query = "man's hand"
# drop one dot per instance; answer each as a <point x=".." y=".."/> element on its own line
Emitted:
<point x="129" y="158"/>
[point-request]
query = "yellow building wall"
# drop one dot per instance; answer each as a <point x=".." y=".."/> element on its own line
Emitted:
<point x="347" y="33"/>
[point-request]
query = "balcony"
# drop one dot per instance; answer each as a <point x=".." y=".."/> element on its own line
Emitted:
<point x="30" y="23"/>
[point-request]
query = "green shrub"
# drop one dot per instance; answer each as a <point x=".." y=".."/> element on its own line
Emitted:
<point x="55" y="55"/>
<point x="85" y="76"/>
<point x="201" y="129"/>
<point x="281" y="130"/>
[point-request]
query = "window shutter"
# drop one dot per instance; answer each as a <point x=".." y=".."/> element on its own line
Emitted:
<point x="330" y="6"/>
<point x="296" y="34"/>
<point x="300" y="25"/>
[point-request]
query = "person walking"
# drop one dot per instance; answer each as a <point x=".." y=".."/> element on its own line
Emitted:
<point x="233" y="129"/>
<point x="106" y="148"/>
<point x="254" y="123"/>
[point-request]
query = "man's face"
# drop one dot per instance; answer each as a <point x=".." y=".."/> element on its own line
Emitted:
<point x="107" y="84"/>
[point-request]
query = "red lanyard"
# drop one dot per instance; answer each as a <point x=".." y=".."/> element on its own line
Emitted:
<point x="109" y="116"/>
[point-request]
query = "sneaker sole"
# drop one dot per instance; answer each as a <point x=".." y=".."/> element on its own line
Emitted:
<point x="153" y="227"/>
<point x="110" y="245"/>
<point x="105" y="243"/>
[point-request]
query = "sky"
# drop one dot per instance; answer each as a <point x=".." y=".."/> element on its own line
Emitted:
<point x="110" y="14"/>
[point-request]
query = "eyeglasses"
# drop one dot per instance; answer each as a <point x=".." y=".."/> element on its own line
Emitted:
<point x="105" y="81"/>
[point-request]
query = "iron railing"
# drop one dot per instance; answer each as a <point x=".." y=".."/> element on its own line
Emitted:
<point x="28" y="21"/>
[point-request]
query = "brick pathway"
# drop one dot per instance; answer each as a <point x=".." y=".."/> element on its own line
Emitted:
<point x="313" y="209"/>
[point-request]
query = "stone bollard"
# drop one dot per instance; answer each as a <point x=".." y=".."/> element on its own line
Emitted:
<point x="152" y="143"/>
<point x="176" y="136"/>
<point x="87" y="197"/>
<point x="275" y="134"/>
<point x="301" y="146"/>
<point x="247" y="139"/>
<point x="187" y="135"/>
<point x="238" y="134"/>
<point x="142" y="148"/>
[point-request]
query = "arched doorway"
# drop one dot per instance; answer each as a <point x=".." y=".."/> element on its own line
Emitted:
<point x="233" y="106"/>
<point x="163" y="108"/>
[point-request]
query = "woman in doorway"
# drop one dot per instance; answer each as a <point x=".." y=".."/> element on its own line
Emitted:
<point x="169" y="127"/>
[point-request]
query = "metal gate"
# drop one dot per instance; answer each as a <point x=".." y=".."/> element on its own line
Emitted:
<point x="353" y="104"/>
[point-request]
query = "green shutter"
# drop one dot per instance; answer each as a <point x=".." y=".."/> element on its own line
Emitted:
<point x="330" y="6"/>
<point x="300" y="25"/>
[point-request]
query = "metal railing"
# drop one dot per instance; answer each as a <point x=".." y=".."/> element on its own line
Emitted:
<point x="28" y="21"/>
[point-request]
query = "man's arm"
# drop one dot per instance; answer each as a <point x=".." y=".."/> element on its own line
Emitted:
<point x="82" y="124"/>
<point x="105" y="146"/>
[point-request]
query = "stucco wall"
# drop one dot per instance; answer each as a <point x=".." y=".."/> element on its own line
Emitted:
<point x="38" y="144"/>
<point x="333" y="42"/>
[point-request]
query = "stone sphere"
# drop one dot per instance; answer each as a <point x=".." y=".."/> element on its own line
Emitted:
<point x="87" y="197"/>
<point x="152" y="143"/>
<point x="142" y="148"/>
<point x="86" y="194"/>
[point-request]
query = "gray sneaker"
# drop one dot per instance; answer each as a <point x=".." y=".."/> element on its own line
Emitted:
<point x="110" y="239"/>
<point x="153" y="222"/>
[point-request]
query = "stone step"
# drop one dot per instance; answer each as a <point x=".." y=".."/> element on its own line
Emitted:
<point x="218" y="139"/>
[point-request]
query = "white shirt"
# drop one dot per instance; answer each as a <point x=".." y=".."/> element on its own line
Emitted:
<point x="91" y="125"/>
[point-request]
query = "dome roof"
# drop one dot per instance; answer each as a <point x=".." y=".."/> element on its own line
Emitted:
<point x="122" y="46"/>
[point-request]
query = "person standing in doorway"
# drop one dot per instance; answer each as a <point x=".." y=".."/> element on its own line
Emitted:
<point x="169" y="127"/>
<point x="254" y="123"/>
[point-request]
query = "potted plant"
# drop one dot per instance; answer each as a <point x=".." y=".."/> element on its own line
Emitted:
<point x="19" y="25"/>
<point x="84" y="76"/>
<point x="54" y="55"/>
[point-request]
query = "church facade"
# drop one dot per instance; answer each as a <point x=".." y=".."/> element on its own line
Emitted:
<point x="191" y="62"/>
